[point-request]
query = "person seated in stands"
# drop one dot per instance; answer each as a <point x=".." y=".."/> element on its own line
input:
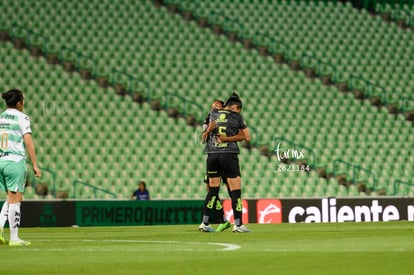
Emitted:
<point x="141" y="193"/>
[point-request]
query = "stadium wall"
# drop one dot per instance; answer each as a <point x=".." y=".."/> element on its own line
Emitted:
<point x="164" y="212"/>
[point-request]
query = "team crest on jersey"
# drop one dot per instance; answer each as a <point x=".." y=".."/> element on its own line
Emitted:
<point x="222" y="118"/>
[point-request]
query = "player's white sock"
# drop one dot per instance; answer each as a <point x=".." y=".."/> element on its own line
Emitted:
<point x="4" y="213"/>
<point x="14" y="220"/>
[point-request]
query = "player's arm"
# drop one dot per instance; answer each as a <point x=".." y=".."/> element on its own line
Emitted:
<point x="30" y="148"/>
<point x="243" y="134"/>
<point x="246" y="133"/>
<point x="211" y="126"/>
<point x="239" y="137"/>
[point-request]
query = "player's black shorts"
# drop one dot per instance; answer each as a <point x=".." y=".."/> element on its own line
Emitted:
<point x="205" y="179"/>
<point x="224" y="165"/>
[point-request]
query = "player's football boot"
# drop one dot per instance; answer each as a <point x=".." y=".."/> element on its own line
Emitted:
<point x="19" y="243"/>
<point x="241" y="229"/>
<point x="223" y="226"/>
<point x="205" y="228"/>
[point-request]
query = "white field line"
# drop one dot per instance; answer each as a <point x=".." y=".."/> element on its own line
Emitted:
<point x="195" y="246"/>
<point x="330" y="250"/>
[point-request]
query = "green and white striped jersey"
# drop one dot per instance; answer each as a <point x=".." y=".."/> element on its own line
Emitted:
<point x="13" y="126"/>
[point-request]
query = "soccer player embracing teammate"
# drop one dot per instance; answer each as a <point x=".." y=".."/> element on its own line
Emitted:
<point x="225" y="129"/>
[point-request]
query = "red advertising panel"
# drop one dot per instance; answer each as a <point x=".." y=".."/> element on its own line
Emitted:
<point x="228" y="211"/>
<point x="269" y="211"/>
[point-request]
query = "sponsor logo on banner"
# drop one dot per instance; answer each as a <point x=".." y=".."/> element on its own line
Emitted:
<point x="269" y="211"/>
<point x="329" y="211"/>
<point x="228" y="211"/>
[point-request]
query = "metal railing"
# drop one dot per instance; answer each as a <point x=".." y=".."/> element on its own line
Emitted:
<point x="95" y="189"/>
<point x="368" y="87"/>
<point x="397" y="183"/>
<point x="184" y="105"/>
<point x="274" y="45"/>
<point x="355" y="169"/>
<point x="406" y="101"/>
<point x="49" y="171"/>
<point x="122" y="77"/>
<point x="70" y="54"/>
<point x="321" y="68"/>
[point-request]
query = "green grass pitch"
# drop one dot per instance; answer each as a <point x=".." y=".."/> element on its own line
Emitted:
<point x="341" y="248"/>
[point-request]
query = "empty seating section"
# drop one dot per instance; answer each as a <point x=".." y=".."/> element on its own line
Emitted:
<point x="85" y="132"/>
<point x="403" y="12"/>
<point x="356" y="42"/>
<point x="88" y="133"/>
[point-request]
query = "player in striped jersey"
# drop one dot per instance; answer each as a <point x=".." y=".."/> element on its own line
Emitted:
<point x="15" y="135"/>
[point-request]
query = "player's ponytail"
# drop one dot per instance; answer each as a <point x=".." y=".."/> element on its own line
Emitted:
<point x="234" y="99"/>
<point x="12" y="97"/>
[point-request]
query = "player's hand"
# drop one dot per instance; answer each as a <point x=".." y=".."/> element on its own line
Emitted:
<point x="36" y="171"/>
<point x="211" y="126"/>
<point x="220" y="139"/>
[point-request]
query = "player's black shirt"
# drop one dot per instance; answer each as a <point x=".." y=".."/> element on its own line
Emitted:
<point x="229" y="124"/>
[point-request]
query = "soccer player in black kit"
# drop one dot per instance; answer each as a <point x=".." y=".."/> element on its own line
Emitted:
<point x="218" y="207"/>
<point x="222" y="135"/>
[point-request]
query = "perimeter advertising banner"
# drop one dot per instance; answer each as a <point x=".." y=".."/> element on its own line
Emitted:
<point x="114" y="213"/>
<point x="334" y="210"/>
<point x="48" y="213"/>
<point x="99" y="213"/>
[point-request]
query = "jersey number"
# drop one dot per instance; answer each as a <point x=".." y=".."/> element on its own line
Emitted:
<point x="4" y="141"/>
<point x="222" y="132"/>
